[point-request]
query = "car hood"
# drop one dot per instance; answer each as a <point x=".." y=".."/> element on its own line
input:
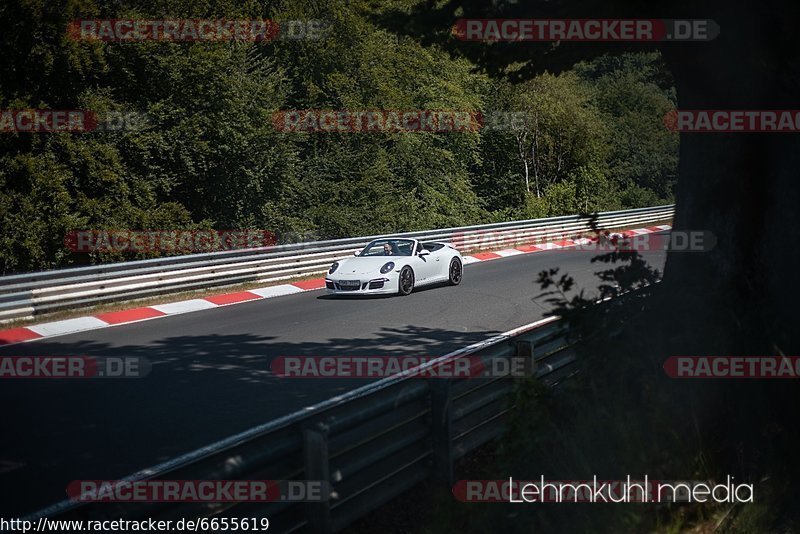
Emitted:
<point x="366" y="264"/>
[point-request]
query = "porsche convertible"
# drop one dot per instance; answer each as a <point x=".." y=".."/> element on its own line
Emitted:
<point x="395" y="265"/>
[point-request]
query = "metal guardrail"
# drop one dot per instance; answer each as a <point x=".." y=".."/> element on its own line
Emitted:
<point x="370" y="444"/>
<point x="25" y="295"/>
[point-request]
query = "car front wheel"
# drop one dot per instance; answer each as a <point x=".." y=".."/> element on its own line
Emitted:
<point x="406" y="285"/>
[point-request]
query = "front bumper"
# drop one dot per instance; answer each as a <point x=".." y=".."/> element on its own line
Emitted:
<point x="374" y="286"/>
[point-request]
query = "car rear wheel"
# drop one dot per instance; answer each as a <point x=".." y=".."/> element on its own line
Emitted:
<point x="456" y="272"/>
<point x="406" y="285"/>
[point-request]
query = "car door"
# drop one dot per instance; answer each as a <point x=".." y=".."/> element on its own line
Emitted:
<point x="440" y="261"/>
<point x="425" y="266"/>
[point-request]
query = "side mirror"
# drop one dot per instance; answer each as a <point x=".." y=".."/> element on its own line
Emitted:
<point x="355" y="253"/>
<point x="424" y="252"/>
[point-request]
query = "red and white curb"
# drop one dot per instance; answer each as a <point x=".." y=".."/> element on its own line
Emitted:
<point x="105" y="320"/>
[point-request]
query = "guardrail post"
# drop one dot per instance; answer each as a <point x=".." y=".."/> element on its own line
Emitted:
<point x="317" y="467"/>
<point x="441" y="431"/>
<point x="524" y="352"/>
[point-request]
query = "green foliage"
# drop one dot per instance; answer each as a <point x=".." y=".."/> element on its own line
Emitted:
<point x="562" y="197"/>
<point x="635" y="92"/>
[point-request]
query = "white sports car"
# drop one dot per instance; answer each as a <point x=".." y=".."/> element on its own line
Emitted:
<point x="395" y="265"/>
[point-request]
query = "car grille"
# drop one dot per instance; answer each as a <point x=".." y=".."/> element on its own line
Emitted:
<point x="376" y="284"/>
<point x="356" y="285"/>
<point x="329" y="284"/>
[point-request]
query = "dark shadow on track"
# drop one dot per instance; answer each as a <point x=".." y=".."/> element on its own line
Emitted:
<point x="200" y="389"/>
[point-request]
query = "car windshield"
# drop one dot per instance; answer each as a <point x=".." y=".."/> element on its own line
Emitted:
<point x="388" y="247"/>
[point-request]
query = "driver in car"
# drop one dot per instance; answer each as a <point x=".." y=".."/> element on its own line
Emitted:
<point x="387" y="249"/>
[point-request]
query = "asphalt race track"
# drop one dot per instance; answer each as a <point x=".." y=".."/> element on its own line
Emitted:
<point x="210" y="376"/>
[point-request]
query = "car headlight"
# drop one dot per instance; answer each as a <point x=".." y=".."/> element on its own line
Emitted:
<point x="333" y="267"/>
<point x="388" y="267"/>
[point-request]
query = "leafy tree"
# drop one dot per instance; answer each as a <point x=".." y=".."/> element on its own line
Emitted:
<point x="635" y="93"/>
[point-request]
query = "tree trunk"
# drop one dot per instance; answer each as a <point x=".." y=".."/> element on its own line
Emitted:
<point x="742" y="297"/>
<point x="743" y="187"/>
<point x="522" y="155"/>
